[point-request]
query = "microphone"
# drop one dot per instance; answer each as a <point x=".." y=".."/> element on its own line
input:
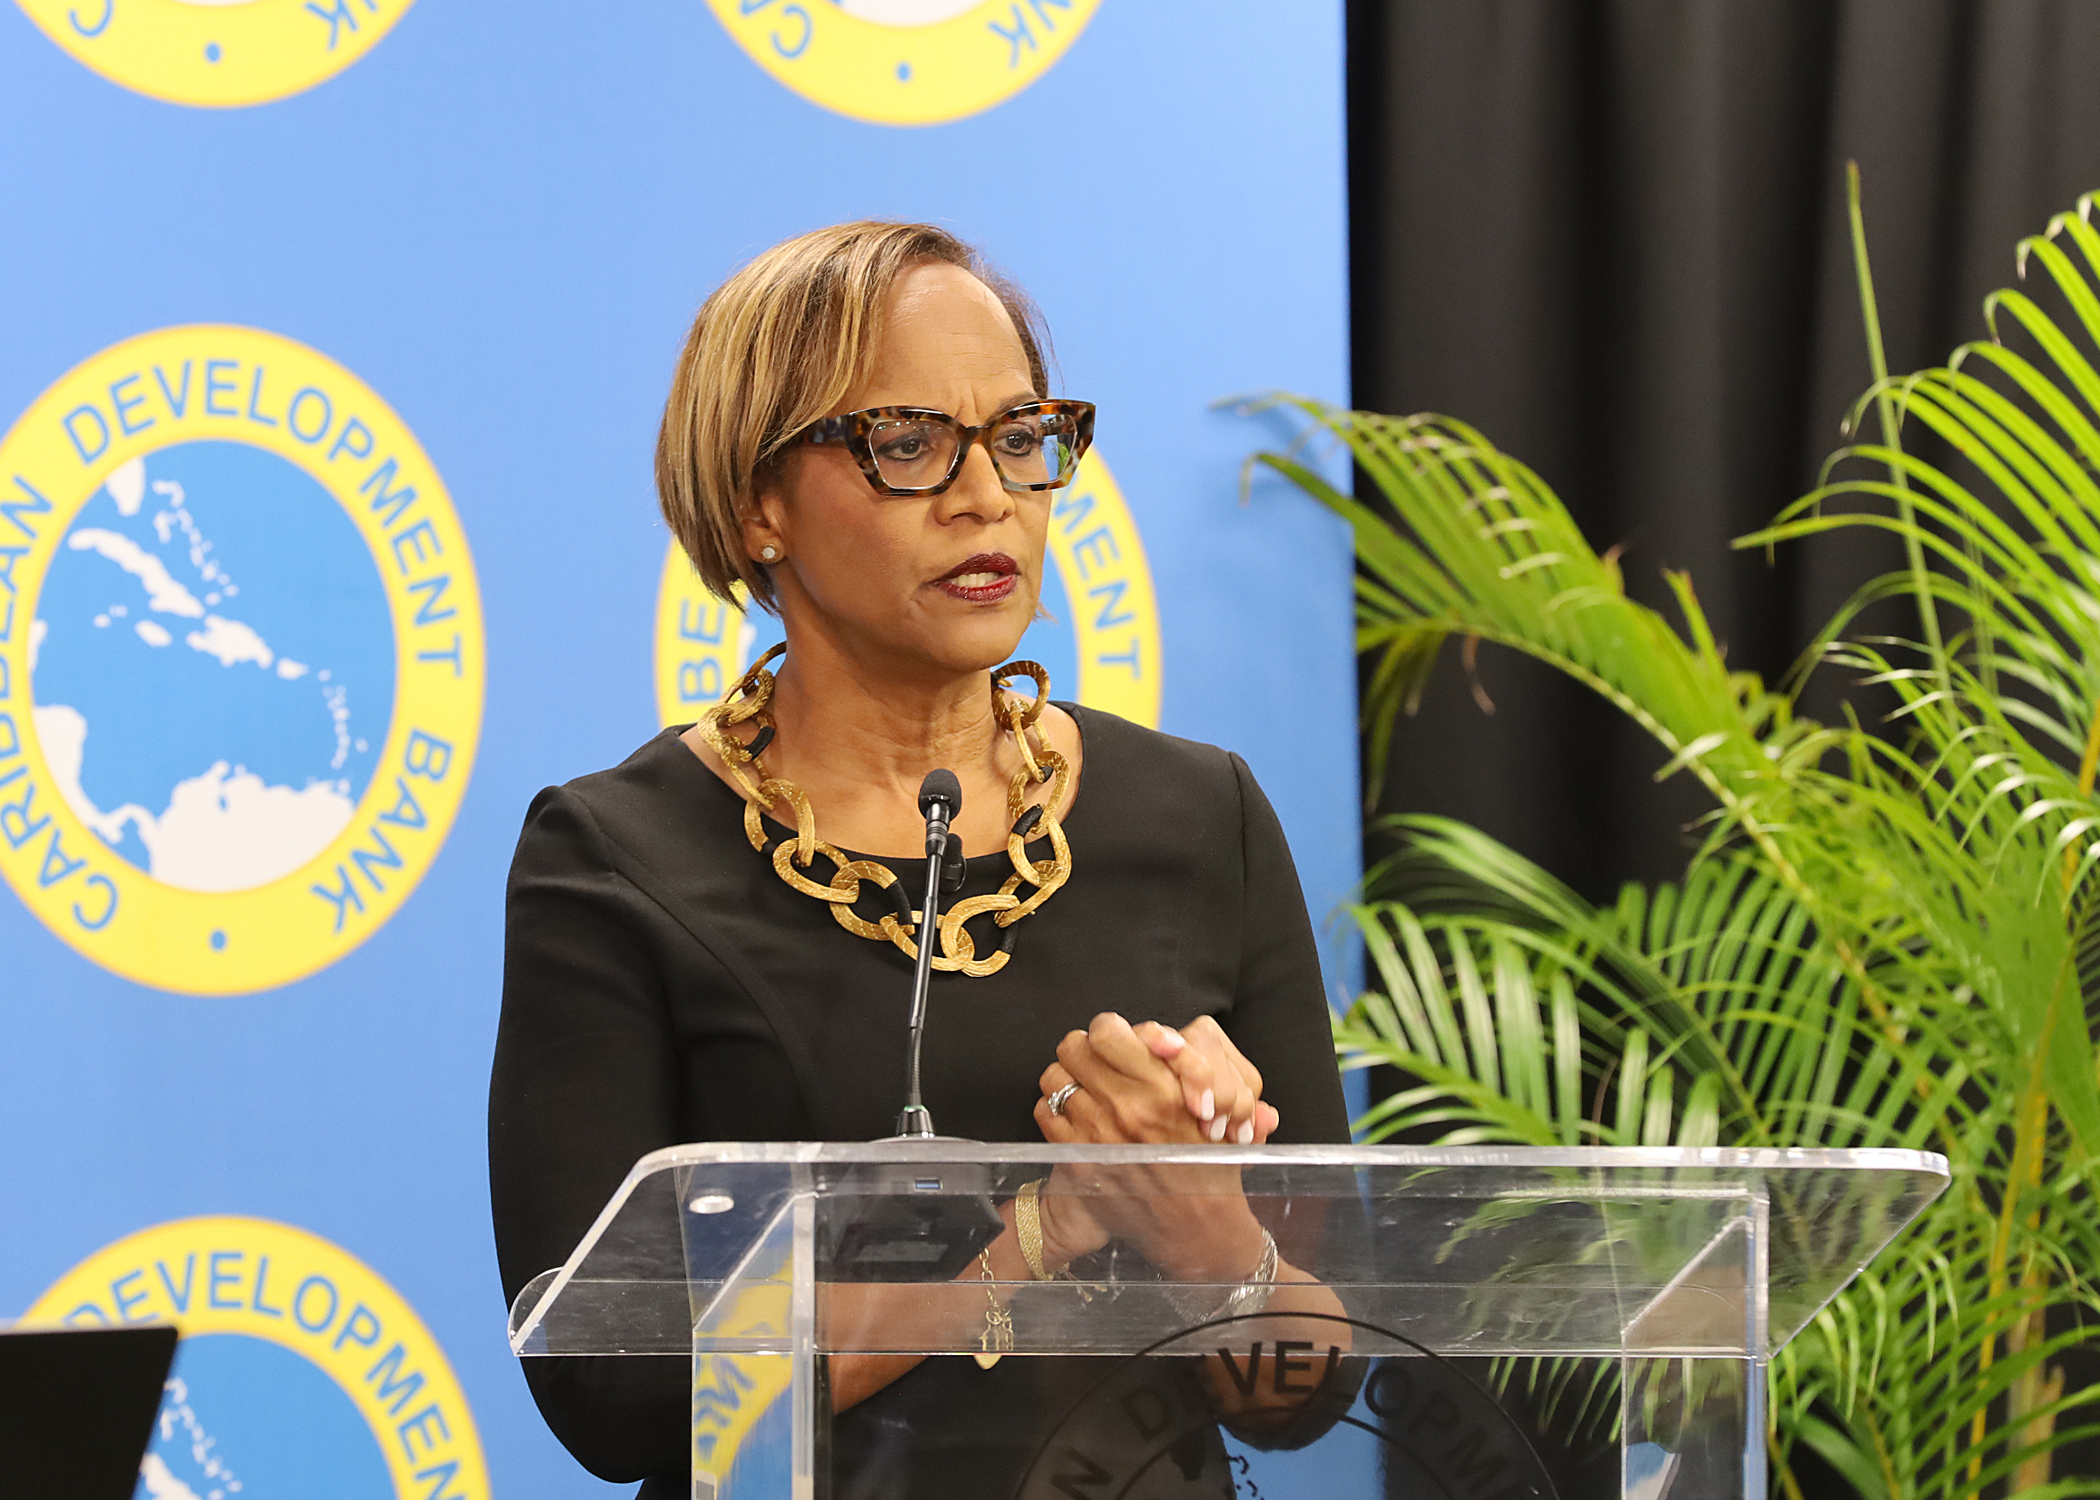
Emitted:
<point x="940" y="802"/>
<point x="920" y="1216"/>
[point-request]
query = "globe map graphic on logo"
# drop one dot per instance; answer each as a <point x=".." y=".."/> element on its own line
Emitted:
<point x="240" y="693"/>
<point x="214" y="666"/>
<point x="241" y="1419"/>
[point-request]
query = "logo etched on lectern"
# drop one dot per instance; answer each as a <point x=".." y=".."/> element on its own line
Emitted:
<point x="240" y="660"/>
<point x="216" y="53"/>
<point x="1101" y="642"/>
<point x="1149" y="1428"/>
<point x="905" y="62"/>
<point x="300" y="1371"/>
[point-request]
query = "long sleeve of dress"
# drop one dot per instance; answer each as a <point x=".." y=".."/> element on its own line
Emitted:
<point x="1279" y="1013"/>
<point x="585" y="1082"/>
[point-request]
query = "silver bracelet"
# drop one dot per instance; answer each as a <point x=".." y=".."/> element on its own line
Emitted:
<point x="1244" y="1300"/>
<point x="1252" y="1295"/>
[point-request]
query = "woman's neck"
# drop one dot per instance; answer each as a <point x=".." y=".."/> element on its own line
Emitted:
<point x="858" y="733"/>
<point x="885" y="730"/>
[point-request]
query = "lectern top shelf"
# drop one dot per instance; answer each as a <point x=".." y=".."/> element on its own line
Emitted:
<point x="1712" y="1252"/>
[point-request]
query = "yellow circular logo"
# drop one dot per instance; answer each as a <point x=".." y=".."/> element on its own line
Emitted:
<point x="905" y="62"/>
<point x="216" y="53"/>
<point x="300" y="1369"/>
<point x="1102" y="630"/>
<point x="240" y="660"/>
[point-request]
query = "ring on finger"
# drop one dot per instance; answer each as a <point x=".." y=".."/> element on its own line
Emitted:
<point x="1057" y="1100"/>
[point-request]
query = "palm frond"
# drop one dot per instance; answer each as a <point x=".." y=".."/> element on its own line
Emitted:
<point x="1890" y="934"/>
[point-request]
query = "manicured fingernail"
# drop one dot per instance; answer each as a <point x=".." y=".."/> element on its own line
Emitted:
<point x="1208" y="1106"/>
<point x="1217" y="1128"/>
<point x="1247" y="1133"/>
<point x="1175" y="1040"/>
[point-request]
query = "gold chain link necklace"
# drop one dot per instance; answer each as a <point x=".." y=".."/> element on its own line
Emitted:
<point x="748" y="701"/>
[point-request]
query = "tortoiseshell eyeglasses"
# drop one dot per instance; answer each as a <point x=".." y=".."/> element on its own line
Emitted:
<point x="911" y="450"/>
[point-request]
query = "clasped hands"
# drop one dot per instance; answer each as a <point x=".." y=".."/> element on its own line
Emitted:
<point x="1144" y="1084"/>
<point x="1152" y="1084"/>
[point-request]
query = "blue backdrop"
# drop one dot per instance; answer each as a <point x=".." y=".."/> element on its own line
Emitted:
<point x="497" y="220"/>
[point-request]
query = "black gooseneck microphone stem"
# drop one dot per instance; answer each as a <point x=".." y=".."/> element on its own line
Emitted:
<point x="915" y="1120"/>
<point x="940" y="799"/>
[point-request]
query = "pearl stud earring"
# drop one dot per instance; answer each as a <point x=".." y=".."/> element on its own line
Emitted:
<point x="769" y="552"/>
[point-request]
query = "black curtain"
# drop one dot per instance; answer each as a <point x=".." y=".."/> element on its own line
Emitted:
<point x="1612" y="235"/>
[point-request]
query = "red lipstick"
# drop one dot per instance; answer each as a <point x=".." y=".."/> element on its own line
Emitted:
<point x="984" y="578"/>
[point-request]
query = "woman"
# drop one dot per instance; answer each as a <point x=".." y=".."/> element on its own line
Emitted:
<point x="714" y="940"/>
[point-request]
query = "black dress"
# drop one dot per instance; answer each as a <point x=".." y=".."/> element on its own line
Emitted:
<point x="662" y="985"/>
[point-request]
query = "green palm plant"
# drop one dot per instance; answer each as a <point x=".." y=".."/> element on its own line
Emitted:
<point x="1879" y="940"/>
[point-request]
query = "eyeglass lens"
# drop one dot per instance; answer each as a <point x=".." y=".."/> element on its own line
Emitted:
<point x="1028" y="447"/>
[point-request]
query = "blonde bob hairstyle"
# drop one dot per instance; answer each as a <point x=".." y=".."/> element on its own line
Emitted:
<point x="776" y="347"/>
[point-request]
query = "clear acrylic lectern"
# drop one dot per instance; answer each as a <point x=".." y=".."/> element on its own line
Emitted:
<point x="1689" y="1268"/>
